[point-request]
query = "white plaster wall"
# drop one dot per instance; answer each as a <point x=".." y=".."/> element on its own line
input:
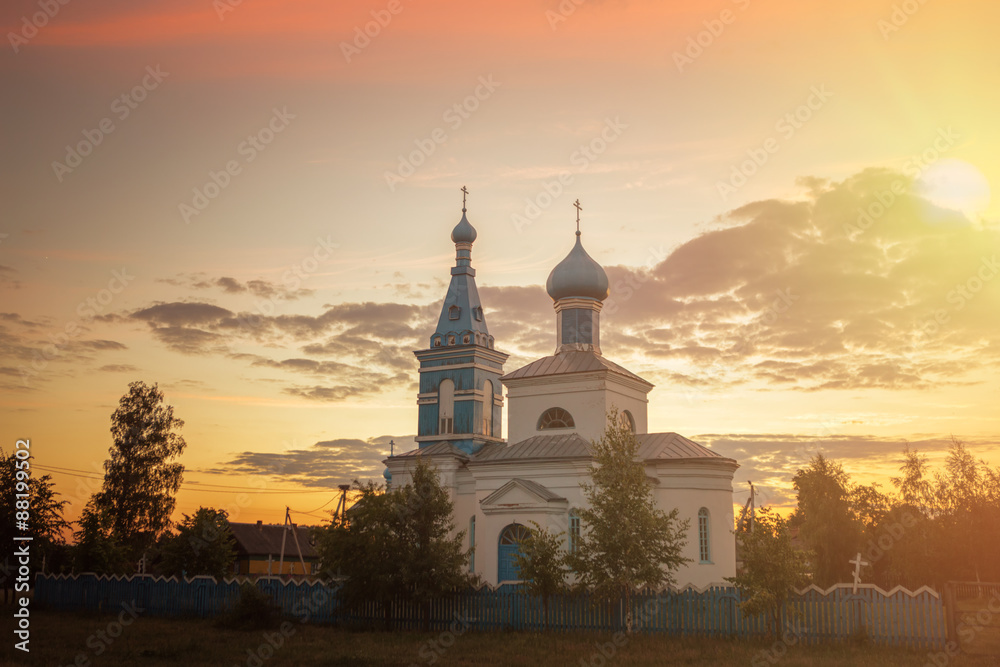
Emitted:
<point x="686" y="485"/>
<point x="588" y="399"/>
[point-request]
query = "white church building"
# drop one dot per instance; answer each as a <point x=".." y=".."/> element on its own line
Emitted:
<point x="557" y="407"/>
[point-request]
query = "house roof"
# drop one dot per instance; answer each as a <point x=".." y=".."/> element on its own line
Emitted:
<point x="652" y="446"/>
<point x="571" y="361"/>
<point x="257" y="539"/>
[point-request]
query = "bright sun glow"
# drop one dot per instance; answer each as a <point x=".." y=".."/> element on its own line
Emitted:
<point x="956" y="185"/>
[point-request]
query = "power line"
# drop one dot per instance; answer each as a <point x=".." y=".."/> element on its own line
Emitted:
<point x="208" y="488"/>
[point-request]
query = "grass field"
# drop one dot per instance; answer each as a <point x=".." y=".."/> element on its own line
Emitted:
<point x="68" y="639"/>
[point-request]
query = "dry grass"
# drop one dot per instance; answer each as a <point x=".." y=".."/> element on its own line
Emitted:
<point x="58" y="638"/>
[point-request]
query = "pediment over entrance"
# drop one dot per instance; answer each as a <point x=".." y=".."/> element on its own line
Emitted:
<point x="523" y="495"/>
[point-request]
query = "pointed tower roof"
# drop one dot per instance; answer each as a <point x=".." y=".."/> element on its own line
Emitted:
<point x="462" y="312"/>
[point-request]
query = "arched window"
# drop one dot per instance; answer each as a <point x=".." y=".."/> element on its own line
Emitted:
<point x="704" y="543"/>
<point x="488" y="408"/>
<point x="507" y="550"/>
<point x="437" y="341"/>
<point x="626" y="420"/>
<point x="453" y="312"/>
<point x="446" y="407"/>
<point x="574" y="532"/>
<point x="555" y="418"/>
<point x="472" y="543"/>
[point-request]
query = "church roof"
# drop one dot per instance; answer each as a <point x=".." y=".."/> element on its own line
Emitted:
<point x="652" y="446"/>
<point x="443" y="448"/>
<point x="672" y="446"/>
<point x="571" y="361"/>
<point x="562" y="446"/>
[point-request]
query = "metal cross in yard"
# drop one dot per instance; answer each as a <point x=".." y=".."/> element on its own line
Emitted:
<point x="858" y="564"/>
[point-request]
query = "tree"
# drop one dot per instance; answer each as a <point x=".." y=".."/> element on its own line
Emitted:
<point x="541" y="563"/>
<point x="772" y="568"/>
<point x="826" y="519"/>
<point x="96" y="549"/>
<point x="361" y="553"/>
<point x="628" y="542"/>
<point x="435" y="560"/>
<point x="396" y="543"/>
<point x="45" y="522"/>
<point x="204" y="544"/>
<point x="140" y="477"/>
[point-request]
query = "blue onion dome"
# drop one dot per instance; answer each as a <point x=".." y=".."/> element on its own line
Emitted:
<point x="387" y="475"/>
<point x="464" y="232"/>
<point x="578" y="275"/>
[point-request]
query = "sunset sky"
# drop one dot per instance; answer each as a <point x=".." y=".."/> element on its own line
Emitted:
<point x="249" y="203"/>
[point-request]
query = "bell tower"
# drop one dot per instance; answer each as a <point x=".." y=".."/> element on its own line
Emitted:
<point x="460" y="399"/>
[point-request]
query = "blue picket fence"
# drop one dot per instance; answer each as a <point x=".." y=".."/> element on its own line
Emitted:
<point x="898" y="617"/>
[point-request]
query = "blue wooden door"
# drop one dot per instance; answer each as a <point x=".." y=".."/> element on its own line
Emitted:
<point x="507" y="551"/>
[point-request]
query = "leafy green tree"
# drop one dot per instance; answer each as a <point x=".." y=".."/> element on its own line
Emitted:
<point x="203" y="544"/>
<point x="826" y="519"/>
<point x="772" y="568"/>
<point x="627" y="542"/>
<point x="541" y="562"/>
<point x="361" y="553"/>
<point x="397" y="543"/>
<point x="45" y="522"/>
<point x="435" y="562"/>
<point x="141" y="477"/>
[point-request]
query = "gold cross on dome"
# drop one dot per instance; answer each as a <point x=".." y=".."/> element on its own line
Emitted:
<point x="578" y="209"/>
<point x="465" y="191"/>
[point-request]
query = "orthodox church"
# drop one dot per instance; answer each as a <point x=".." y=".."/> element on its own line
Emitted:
<point x="557" y="406"/>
